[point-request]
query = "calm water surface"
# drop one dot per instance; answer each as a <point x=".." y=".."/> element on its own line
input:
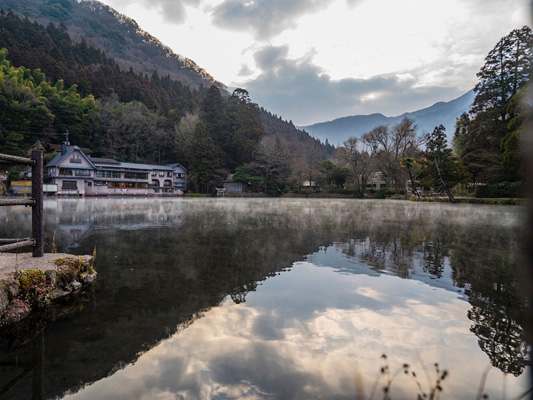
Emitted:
<point x="277" y="298"/>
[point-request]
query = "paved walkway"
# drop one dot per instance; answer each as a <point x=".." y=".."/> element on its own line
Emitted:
<point x="9" y="262"/>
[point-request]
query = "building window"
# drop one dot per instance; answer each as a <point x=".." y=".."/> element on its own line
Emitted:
<point x="180" y="175"/>
<point x="155" y="182"/>
<point x="167" y="183"/>
<point x="154" y="173"/>
<point x="83" y="172"/>
<point x="127" y="185"/>
<point x="69" y="185"/>
<point x="180" y="185"/>
<point x="161" y="173"/>
<point x="75" y="160"/>
<point x="108" y="174"/>
<point x="65" y="172"/>
<point x="135" y="175"/>
<point x="100" y="183"/>
<point x="169" y="174"/>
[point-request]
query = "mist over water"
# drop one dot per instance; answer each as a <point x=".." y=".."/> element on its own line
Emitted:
<point x="277" y="298"/>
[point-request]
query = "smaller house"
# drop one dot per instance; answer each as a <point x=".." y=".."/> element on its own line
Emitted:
<point x="376" y="181"/>
<point x="231" y="186"/>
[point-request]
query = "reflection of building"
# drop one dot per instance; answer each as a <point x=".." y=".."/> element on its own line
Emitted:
<point x="75" y="173"/>
<point x="74" y="219"/>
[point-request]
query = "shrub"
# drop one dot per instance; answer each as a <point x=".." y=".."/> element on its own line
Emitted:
<point x="381" y="193"/>
<point x="503" y="189"/>
<point x="341" y="191"/>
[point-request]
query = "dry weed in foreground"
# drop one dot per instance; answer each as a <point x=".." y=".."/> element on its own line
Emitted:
<point x="434" y="384"/>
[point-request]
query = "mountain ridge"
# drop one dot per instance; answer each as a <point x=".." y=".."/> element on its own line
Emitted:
<point x="445" y="113"/>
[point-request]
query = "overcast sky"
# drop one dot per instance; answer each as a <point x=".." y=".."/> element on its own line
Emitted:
<point x="316" y="60"/>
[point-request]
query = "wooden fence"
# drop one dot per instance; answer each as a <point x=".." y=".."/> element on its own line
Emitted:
<point x="36" y="203"/>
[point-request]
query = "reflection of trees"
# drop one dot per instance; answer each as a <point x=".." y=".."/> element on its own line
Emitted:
<point x="387" y="253"/>
<point x="482" y="256"/>
<point x="499" y="335"/>
<point x="434" y="258"/>
<point x="491" y="278"/>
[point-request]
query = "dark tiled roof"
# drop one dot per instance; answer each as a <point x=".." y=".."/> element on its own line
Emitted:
<point x="110" y="161"/>
<point x="176" y="165"/>
<point x="57" y="147"/>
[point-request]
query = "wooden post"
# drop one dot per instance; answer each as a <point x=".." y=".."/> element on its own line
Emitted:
<point x="37" y="215"/>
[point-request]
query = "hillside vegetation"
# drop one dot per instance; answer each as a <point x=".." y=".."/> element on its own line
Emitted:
<point x="118" y="36"/>
<point x="51" y="84"/>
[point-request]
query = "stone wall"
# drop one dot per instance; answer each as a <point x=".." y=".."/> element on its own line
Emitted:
<point x="25" y="290"/>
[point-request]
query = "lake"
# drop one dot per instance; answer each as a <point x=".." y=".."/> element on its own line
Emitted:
<point x="278" y="299"/>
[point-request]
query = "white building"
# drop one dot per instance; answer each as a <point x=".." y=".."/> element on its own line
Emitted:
<point x="75" y="173"/>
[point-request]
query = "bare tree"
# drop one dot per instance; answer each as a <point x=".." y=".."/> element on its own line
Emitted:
<point x="313" y="155"/>
<point x="367" y="160"/>
<point x="350" y="155"/>
<point x="391" y="145"/>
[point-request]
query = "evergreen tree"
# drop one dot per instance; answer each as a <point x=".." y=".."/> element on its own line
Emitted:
<point x="510" y="144"/>
<point x="204" y="167"/>
<point x="507" y="68"/>
<point x="441" y="169"/>
<point x="480" y="139"/>
<point x="246" y="129"/>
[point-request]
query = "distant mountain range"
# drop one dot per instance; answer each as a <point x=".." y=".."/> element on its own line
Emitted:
<point x="445" y="113"/>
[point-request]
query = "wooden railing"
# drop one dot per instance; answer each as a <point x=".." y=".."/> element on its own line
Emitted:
<point x="36" y="203"/>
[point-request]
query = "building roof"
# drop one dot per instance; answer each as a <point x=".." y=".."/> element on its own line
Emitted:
<point x="60" y="157"/>
<point x="109" y="161"/>
<point x="177" y="165"/>
<point x="57" y="147"/>
<point x="144" y="166"/>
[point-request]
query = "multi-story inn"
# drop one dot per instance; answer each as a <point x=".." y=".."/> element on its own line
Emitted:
<point x="75" y="173"/>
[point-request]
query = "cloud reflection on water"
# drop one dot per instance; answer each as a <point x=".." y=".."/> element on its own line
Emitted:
<point x="306" y="334"/>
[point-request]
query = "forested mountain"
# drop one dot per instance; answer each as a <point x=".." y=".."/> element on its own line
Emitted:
<point x="117" y="35"/>
<point x="50" y="84"/>
<point x="51" y="50"/>
<point x="445" y="113"/>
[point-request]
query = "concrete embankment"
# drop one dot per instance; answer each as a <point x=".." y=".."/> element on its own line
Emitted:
<point x="30" y="284"/>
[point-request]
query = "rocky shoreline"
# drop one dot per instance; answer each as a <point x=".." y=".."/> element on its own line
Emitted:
<point x="29" y="285"/>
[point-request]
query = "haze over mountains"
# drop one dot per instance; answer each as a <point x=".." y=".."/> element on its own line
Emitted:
<point x="445" y="113"/>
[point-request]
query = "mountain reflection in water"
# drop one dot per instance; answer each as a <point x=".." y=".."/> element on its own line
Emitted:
<point x="192" y="299"/>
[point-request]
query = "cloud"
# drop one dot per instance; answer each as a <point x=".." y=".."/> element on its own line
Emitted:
<point x="314" y="355"/>
<point x="265" y="19"/>
<point x="245" y="70"/>
<point x="300" y="90"/>
<point x="173" y="11"/>
<point x="353" y="3"/>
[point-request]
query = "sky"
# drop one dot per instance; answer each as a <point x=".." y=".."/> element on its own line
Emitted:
<point x="311" y="61"/>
